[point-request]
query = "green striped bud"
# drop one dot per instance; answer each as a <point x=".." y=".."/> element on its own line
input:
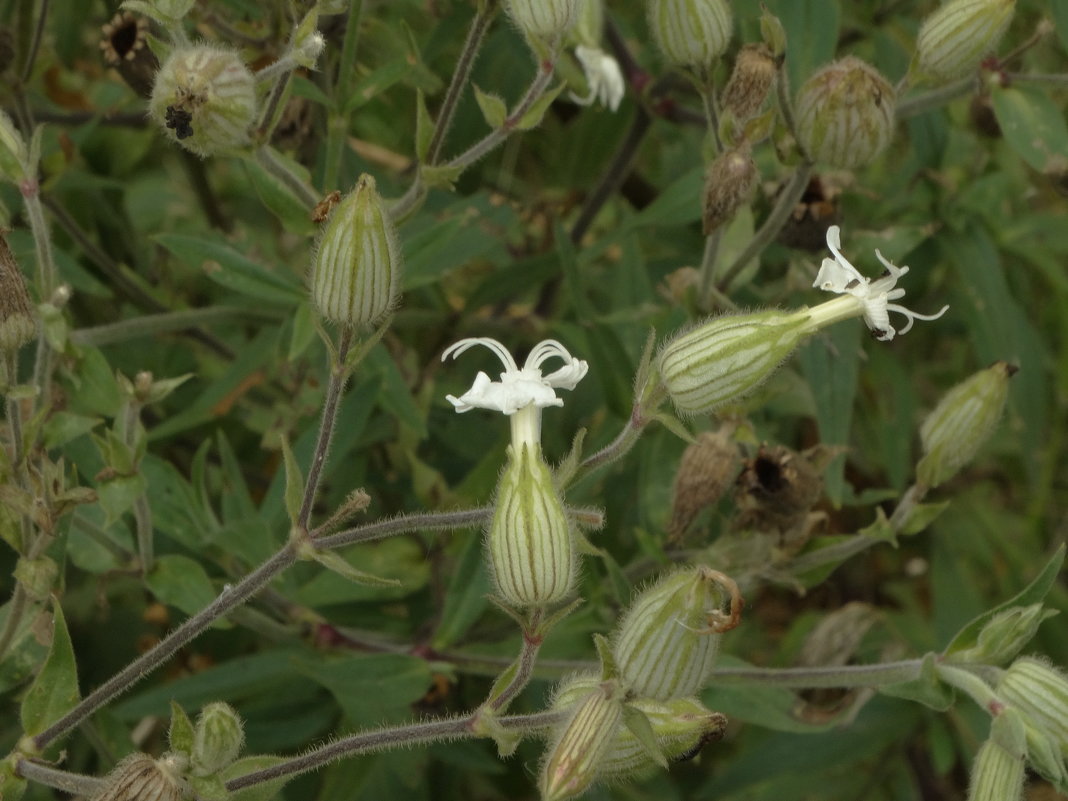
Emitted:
<point x="530" y="546"/>
<point x="18" y="323"/>
<point x="217" y="739"/>
<point x="668" y="639"/>
<point x="845" y="114"/>
<point x="727" y="357"/>
<point x="543" y="19"/>
<point x="691" y="33"/>
<point x="139" y="777"/>
<point x="961" y="422"/>
<point x="205" y="99"/>
<point x="579" y="749"/>
<point x="681" y="726"/>
<point x="956" y="37"/>
<point x="1040" y="692"/>
<point x="355" y="274"/>
<point x="998" y="771"/>
<point x="13" y="155"/>
<point x="1003" y="636"/>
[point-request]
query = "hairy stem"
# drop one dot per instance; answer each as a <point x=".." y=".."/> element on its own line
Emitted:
<point x="73" y="783"/>
<point x="165" y="323"/>
<point x="921" y="103"/>
<point x="267" y="158"/>
<point x="843" y="676"/>
<point x="337" y="124"/>
<point x="425" y="521"/>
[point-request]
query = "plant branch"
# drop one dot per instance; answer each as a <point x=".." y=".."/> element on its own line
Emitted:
<point x="267" y="158"/>
<point x="164" y="323"/>
<point x="423" y="521"/>
<point x="921" y="103"/>
<point x="73" y="783"/>
<point x="843" y="676"/>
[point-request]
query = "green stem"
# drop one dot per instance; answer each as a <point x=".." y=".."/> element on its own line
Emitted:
<point x="788" y="198"/>
<point x="35" y="42"/>
<point x="919" y="104"/>
<point x="523" y="667"/>
<point x="707" y="289"/>
<point x="338" y="376"/>
<point x="267" y="158"/>
<point x="475" y="35"/>
<point x="164" y="323"/>
<point x="42" y="241"/>
<point x="1057" y="79"/>
<point x="433" y="731"/>
<point x="337" y="122"/>
<point x="73" y="783"/>
<point x="423" y="521"/>
<point x="971" y="684"/>
<point x="844" y="676"/>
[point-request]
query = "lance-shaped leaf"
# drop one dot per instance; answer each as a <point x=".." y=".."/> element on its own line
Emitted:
<point x="55" y="690"/>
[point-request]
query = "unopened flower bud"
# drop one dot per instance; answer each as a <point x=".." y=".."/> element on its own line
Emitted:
<point x="579" y="749"/>
<point x="1040" y="692"/>
<point x="727" y="357"/>
<point x="217" y="739"/>
<point x="356" y="268"/>
<point x="729" y="183"/>
<point x="961" y="422"/>
<point x="1004" y="635"/>
<point x="681" y="727"/>
<point x="205" y="99"/>
<point x="691" y="33"/>
<point x="750" y="82"/>
<point x="997" y="773"/>
<point x="668" y="639"/>
<point x="707" y="469"/>
<point x="18" y="324"/>
<point x="543" y="19"/>
<point x="139" y="777"/>
<point x="845" y="114"/>
<point x="530" y="545"/>
<point x="954" y="39"/>
<point x="13" y="153"/>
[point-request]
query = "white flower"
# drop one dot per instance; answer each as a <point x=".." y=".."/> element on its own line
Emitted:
<point x="521" y="392"/>
<point x="839" y="276"/>
<point x="603" y="77"/>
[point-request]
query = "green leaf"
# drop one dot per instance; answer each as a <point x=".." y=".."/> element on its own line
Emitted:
<point x="12" y="786"/>
<point x="229" y="268"/>
<point x="638" y="724"/>
<point x="1033" y="593"/>
<point x="62" y="427"/>
<point x="294" y="494"/>
<point x="1033" y="125"/>
<point x="251" y="764"/>
<point x="440" y="176"/>
<point x="926" y="690"/>
<point x="336" y="563"/>
<point x="398" y="680"/>
<point x="209" y="788"/>
<point x="465" y="597"/>
<point x="54" y="691"/>
<point x="376" y="82"/>
<point x="921" y="516"/>
<point x="117" y="495"/>
<point x="183" y="583"/>
<point x="279" y="198"/>
<point x="494" y="110"/>
<point x="424" y="127"/>
<point x="534" y="115"/>
<point x="181" y="733"/>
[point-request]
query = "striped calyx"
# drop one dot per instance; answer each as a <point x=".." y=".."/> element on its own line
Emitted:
<point x="139" y="777"/>
<point x="1040" y="692"/>
<point x="574" y="760"/>
<point x="355" y="275"/>
<point x="204" y="98"/>
<point x="998" y="770"/>
<point x="961" y="422"/>
<point x="727" y="357"/>
<point x="691" y="33"/>
<point x="845" y="114"/>
<point x="667" y="641"/>
<point x="544" y="19"/>
<point x="681" y="726"/>
<point x="956" y="37"/>
<point x="530" y="546"/>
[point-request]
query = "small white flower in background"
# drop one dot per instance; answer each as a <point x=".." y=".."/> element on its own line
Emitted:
<point x="603" y="77"/>
<point x="522" y="392"/>
<point x="841" y="277"/>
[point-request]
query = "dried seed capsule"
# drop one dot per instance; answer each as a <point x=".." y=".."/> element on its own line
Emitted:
<point x="954" y="39"/>
<point x="845" y="114"/>
<point x="18" y="322"/>
<point x="205" y="99"/>
<point x="963" y="420"/>
<point x="706" y="470"/>
<point x="139" y="777"/>
<point x="750" y="82"/>
<point x="728" y="186"/>
<point x="355" y="273"/>
<point x="691" y="33"/>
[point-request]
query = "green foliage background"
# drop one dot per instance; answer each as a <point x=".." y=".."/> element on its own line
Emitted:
<point x="973" y="214"/>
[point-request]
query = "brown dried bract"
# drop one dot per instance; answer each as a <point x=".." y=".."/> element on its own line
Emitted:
<point x="325" y="206"/>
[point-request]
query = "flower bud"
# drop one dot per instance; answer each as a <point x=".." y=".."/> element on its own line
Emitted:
<point x="590" y="26"/>
<point x="1004" y="635"/>
<point x="727" y="357"/>
<point x="139" y="777"/>
<point x="668" y="639"/>
<point x="576" y="756"/>
<point x="997" y="773"/>
<point x="845" y="114"/>
<point x="543" y="19"/>
<point x="961" y="422"/>
<point x="953" y="40"/>
<point x="205" y="99"/>
<point x="18" y="325"/>
<point x="217" y="739"/>
<point x="1040" y="692"/>
<point x="681" y="726"/>
<point x="356" y="267"/>
<point x="728" y="184"/>
<point x="531" y="551"/>
<point x="691" y="33"/>
<point x="750" y="82"/>
<point x="13" y="155"/>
